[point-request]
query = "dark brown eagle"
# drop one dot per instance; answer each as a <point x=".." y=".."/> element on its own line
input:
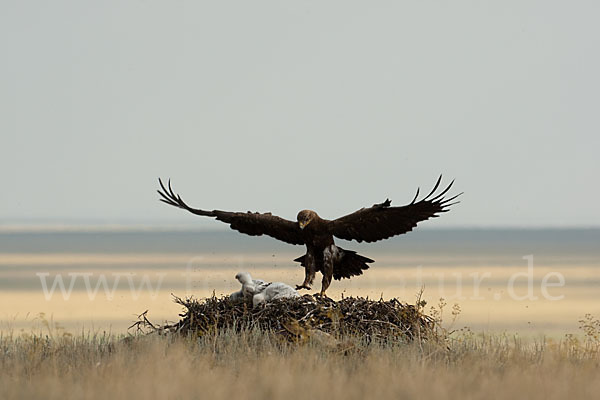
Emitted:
<point x="378" y="222"/>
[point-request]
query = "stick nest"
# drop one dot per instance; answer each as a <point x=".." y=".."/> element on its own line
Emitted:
<point x="294" y="318"/>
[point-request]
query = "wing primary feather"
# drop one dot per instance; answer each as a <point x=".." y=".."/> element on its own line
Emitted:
<point x="377" y="223"/>
<point x="434" y="188"/>
<point x="171" y="189"/>
<point x="448" y="205"/>
<point x="416" y="195"/>
<point x="163" y="188"/>
<point x="445" y="201"/>
<point x="253" y="224"/>
<point x="168" y="202"/>
<point x="443" y="192"/>
<point x="165" y="195"/>
<point x="164" y="198"/>
<point x="169" y="197"/>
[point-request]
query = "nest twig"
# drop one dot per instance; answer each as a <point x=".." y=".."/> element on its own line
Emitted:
<point x="382" y="320"/>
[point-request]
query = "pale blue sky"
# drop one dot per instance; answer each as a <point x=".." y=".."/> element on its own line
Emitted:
<point x="279" y="106"/>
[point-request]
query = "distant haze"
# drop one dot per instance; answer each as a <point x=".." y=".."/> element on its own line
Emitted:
<point x="280" y="106"/>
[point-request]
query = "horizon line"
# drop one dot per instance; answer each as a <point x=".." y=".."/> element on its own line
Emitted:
<point x="38" y="227"/>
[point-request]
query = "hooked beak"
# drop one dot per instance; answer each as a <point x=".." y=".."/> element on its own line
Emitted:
<point x="302" y="224"/>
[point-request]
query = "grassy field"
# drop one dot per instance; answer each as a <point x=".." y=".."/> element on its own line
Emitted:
<point x="257" y="365"/>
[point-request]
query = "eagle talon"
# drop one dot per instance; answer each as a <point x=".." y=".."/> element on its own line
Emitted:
<point x="299" y="287"/>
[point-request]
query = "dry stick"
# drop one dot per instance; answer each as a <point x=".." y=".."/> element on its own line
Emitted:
<point x="389" y="320"/>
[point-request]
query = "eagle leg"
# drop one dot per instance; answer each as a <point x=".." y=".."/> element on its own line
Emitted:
<point x="309" y="271"/>
<point x="325" y="284"/>
<point x="327" y="271"/>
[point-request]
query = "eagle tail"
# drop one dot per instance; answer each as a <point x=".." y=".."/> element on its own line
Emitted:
<point x="350" y="264"/>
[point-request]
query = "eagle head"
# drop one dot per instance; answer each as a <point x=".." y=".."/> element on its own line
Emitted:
<point x="305" y="217"/>
<point x="243" y="277"/>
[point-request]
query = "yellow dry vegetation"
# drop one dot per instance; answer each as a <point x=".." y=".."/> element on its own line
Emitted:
<point x="258" y="365"/>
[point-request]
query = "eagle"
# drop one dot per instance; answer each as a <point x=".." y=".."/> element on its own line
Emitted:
<point x="378" y="222"/>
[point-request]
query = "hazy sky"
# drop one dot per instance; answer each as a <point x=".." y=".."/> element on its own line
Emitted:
<point x="284" y="105"/>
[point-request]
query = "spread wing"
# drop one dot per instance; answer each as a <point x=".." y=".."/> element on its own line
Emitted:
<point x="253" y="224"/>
<point x="382" y="221"/>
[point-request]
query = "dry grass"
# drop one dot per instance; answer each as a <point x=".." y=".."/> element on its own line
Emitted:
<point x="252" y="364"/>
